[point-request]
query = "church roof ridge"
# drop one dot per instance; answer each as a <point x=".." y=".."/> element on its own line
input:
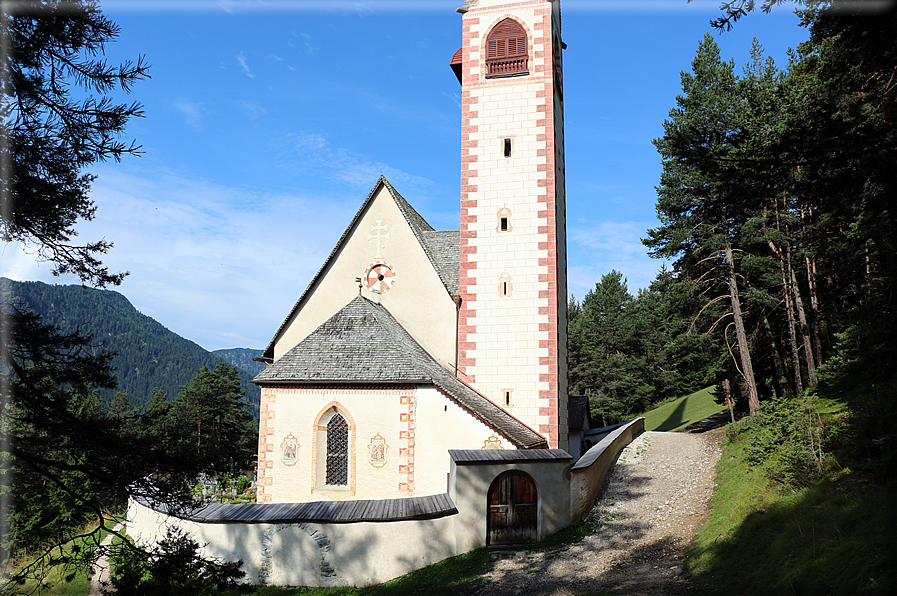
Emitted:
<point x="363" y="343"/>
<point x="437" y="249"/>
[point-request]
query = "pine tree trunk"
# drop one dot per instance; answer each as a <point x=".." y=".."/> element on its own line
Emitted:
<point x="747" y="368"/>
<point x="811" y="279"/>
<point x="789" y="313"/>
<point x="778" y="365"/>
<point x="804" y="329"/>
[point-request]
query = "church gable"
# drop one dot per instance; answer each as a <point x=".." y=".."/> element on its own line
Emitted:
<point x="399" y="260"/>
<point x="364" y="344"/>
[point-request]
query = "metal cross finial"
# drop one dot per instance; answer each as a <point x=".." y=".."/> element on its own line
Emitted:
<point x="378" y="232"/>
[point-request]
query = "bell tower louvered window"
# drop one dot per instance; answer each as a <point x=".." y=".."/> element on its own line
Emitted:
<point x="506" y="51"/>
<point x="337" y="451"/>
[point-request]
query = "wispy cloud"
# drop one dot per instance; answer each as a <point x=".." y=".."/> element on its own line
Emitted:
<point x="602" y="246"/>
<point x="305" y="43"/>
<point x="253" y="110"/>
<point x="244" y="64"/>
<point x="218" y="265"/>
<point x="357" y="169"/>
<point x="193" y="113"/>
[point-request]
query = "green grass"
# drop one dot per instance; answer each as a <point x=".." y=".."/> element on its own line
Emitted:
<point x="683" y="412"/>
<point x="451" y="577"/>
<point x="829" y="537"/>
<point x="63" y="580"/>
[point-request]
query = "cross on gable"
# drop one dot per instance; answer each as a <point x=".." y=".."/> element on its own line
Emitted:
<point x="379" y="233"/>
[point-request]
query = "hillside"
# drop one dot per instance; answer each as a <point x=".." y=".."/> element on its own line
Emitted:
<point x="148" y="354"/>
<point x="242" y="358"/>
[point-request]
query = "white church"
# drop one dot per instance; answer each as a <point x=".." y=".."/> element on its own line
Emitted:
<point x="418" y="387"/>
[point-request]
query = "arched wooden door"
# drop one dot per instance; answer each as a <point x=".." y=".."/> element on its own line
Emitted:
<point x="513" y="509"/>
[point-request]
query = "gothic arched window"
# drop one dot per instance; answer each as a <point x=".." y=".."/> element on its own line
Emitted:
<point x="506" y="51"/>
<point x="337" y="468"/>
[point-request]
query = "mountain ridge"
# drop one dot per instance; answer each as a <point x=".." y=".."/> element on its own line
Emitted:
<point x="149" y="355"/>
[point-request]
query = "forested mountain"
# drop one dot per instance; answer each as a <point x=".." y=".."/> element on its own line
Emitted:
<point x="242" y="358"/>
<point x="149" y="356"/>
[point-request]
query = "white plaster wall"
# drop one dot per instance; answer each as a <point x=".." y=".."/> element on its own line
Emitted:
<point x="419" y="425"/>
<point x="469" y="488"/>
<point x="442" y="425"/>
<point x="369" y="412"/>
<point x="418" y="298"/>
<point x="587" y="474"/>
<point x="360" y="554"/>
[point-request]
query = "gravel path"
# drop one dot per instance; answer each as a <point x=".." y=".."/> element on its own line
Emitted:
<point x="654" y="499"/>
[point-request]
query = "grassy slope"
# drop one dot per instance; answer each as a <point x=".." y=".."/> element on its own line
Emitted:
<point x="833" y="536"/>
<point x="66" y="581"/>
<point x="680" y="413"/>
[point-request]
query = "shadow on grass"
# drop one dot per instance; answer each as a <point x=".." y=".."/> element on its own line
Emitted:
<point x="716" y="421"/>
<point x="675" y="418"/>
<point x="835" y="538"/>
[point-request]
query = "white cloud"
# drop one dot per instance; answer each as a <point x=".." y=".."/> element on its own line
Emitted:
<point x="595" y="249"/>
<point x="356" y="169"/>
<point x="220" y="266"/>
<point x="193" y="113"/>
<point x="253" y="110"/>
<point x="244" y="64"/>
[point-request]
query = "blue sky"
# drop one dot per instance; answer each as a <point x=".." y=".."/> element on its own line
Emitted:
<point x="267" y="123"/>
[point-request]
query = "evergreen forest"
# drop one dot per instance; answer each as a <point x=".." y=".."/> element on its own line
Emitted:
<point x="147" y="356"/>
<point x="776" y="208"/>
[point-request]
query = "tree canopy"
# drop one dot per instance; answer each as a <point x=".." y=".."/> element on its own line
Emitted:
<point x="777" y="203"/>
<point x="59" y="119"/>
<point x="63" y="459"/>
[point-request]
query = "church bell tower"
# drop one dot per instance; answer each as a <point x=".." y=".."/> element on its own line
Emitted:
<point x="512" y="329"/>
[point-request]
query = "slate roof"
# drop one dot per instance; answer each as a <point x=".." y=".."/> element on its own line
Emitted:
<point x="444" y="250"/>
<point x="331" y="512"/>
<point x="363" y="343"/>
<point x="474" y="457"/>
<point x="441" y="247"/>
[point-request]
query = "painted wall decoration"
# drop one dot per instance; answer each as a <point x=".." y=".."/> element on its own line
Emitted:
<point x="492" y="442"/>
<point x="289" y="450"/>
<point x="378" y="450"/>
<point x="379" y="277"/>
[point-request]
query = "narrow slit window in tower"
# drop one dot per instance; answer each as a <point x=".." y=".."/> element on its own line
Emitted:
<point x="507" y="147"/>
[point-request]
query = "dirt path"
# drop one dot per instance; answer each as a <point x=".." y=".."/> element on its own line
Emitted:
<point x="100" y="575"/>
<point x="654" y="499"/>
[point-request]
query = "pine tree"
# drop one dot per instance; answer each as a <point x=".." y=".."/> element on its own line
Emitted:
<point x="59" y="120"/>
<point x="608" y="363"/>
<point x="214" y="422"/>
<point x="703" y="198"/>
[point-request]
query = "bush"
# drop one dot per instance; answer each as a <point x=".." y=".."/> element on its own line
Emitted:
<point x="173" y="566"/>
<point x="789" y="440"/>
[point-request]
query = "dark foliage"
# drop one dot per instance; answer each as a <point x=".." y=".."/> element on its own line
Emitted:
<point x="173" y="566"/>
<point x="627" y="353"/>
<point x="60" y="119"/>
<point x="70" y="462"/>
<point x="793" y="172"/>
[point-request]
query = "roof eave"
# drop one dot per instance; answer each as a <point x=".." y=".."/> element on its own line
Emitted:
<point x="307" y="382"/>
